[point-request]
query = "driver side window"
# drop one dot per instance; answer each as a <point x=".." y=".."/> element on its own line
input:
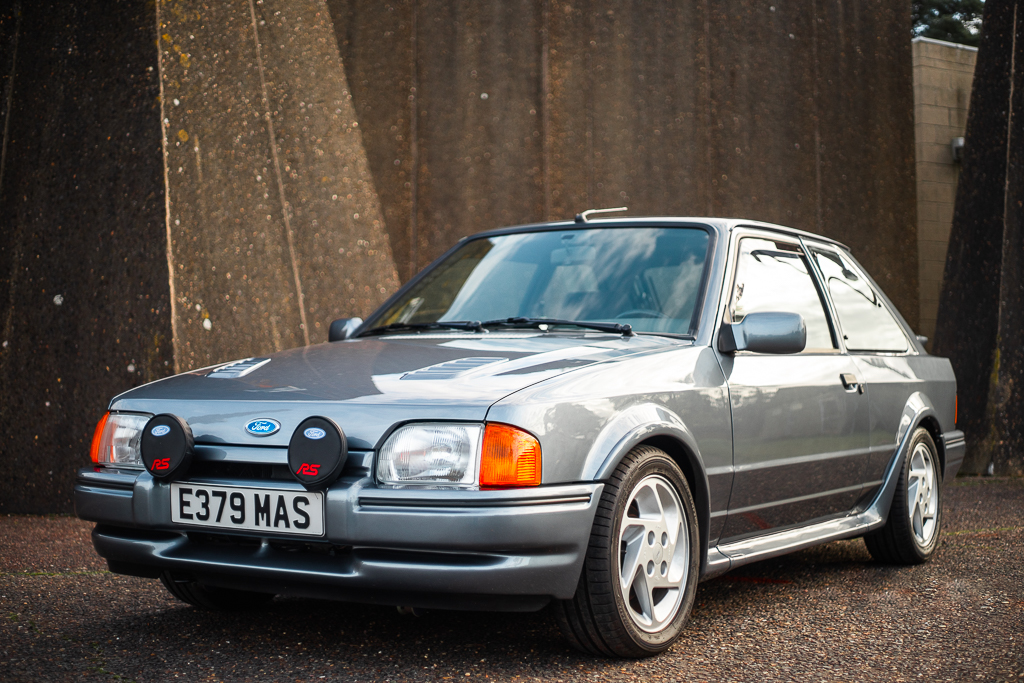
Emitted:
<point x="775" y="276"/>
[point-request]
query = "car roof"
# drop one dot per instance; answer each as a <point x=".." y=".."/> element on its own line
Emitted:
<point x="721" y="225"/>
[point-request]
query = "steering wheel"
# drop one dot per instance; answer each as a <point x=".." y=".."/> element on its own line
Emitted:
<point x="640" y="313"/>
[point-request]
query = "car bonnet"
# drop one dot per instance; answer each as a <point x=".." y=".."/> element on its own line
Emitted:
<point x="367" y="385"/>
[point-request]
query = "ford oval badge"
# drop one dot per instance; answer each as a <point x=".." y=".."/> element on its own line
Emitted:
<point x="160" y="430"/>
<point x="262" y="426"/>
<point x="314" y="433"/>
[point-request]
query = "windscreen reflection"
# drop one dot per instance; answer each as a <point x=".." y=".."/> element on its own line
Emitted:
<point x="649" y="278"/>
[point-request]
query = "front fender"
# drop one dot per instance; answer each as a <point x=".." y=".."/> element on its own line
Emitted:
<point x="631" y="427"/>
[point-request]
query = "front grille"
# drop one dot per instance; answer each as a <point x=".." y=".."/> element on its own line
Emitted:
<point x="239" y="470"/>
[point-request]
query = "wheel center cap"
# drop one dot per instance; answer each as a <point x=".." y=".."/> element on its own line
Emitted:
<point x="658" y="552"/>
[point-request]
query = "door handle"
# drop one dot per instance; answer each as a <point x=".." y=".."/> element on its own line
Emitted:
<point x="850" y="382"/>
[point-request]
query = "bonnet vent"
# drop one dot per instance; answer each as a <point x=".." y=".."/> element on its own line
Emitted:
<point x="240" y="368"/>
<point x="452" y="369"/>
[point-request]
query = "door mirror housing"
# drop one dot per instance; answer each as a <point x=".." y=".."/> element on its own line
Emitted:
<point x="765" y="332"/>
<point x="343" y="328"/>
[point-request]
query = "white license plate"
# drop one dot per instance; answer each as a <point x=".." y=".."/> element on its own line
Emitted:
<point x="263" y="510"/>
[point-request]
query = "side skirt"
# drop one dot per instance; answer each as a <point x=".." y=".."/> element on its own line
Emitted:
<point x="726" y="557"/>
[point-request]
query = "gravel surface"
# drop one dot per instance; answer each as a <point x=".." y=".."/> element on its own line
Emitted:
<point x="825" y="614"/>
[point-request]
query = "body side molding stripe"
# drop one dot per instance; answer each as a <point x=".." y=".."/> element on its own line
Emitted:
<point x="725" y="557"/>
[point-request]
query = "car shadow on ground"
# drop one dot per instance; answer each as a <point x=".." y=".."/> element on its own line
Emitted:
<point x="367" y="640"/>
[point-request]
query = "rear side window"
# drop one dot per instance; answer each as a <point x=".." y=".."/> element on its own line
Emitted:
<point x="866" y="322"/>
<point x="774" y="276"/>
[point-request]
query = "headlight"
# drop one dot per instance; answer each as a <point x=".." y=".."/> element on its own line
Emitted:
<point x="495" y="456"/>
<point x="116" y="440"/>
<point x="431" y="454"/>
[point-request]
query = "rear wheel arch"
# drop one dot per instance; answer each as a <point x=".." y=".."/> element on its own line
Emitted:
<point x="930" y="423"/>
<point x="918" y="412"/>
<point x="911" y="532"/>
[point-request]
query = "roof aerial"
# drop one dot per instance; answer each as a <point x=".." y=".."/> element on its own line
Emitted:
<point x="582" y="217"/>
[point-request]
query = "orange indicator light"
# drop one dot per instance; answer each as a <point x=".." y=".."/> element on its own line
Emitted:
<point x="97" y="437"/>
<point x="510" y="457"/>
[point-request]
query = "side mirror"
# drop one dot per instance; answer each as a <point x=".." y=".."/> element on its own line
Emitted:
<point x="343" y="328"/>
<point x="767" y="332"/>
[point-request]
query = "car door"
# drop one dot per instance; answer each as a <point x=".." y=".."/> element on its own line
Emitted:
<point x="800" y="421"/>
<point x="879" y="347"/>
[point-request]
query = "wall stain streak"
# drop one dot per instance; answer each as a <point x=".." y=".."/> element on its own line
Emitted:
<point x="285" y="207"/>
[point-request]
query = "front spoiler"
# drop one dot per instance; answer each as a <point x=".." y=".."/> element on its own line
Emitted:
<point x="512" y="549"/>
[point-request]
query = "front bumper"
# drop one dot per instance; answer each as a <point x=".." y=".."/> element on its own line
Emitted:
<point x="511" y="549"/>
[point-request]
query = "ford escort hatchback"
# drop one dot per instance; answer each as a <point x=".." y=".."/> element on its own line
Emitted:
<point x="593" y="415"/>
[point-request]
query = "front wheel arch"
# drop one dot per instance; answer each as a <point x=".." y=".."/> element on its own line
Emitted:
<point x="690" y="466"/>
<point x="605" y="617"/>
<point x="654" y="425"/>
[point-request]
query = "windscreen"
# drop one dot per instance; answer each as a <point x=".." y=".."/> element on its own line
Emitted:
<point x="649" y="278"/>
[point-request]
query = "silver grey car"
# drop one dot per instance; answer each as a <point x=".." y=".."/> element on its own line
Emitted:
<point x="590" y="416"/>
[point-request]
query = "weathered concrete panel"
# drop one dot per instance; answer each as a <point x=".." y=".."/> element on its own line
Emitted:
<point x="381" y="53"/>
<point x="274" y="222"/>
<point x="83" y="279"/>
<point x="981" y="309"/>
<point x="762" y="120"/>
<point x="865" y="94"/>
<point x="626" y="111"/>
<point x="480" y="146"/>
<point x="789" y="113"/>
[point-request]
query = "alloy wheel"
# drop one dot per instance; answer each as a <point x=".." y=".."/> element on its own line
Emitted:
<point x="922" y="495"/>
<point x="654" y="557"/>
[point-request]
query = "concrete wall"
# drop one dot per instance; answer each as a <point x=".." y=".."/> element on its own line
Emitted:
<point x="482" y="114"/>
<point x="942" y="90"/>
<point x="129" y="249"/>
<point x="273" y="220"/>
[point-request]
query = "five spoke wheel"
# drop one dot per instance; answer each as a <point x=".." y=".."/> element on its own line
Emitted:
<point x="640" y="574"/>
<point x="654" y="553"/>
<point x="911" y="534"/>
<point x="922" y="494"/>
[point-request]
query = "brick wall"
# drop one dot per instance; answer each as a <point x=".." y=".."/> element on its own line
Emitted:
<point x="942" y="90"/>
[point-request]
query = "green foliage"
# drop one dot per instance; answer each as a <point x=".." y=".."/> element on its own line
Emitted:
<point x="956" y="21"/>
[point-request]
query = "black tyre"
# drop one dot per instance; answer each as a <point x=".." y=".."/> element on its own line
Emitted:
<point x="639" y="578"/>
<point x="911" y="534"/>
<point x="211" y="597"/>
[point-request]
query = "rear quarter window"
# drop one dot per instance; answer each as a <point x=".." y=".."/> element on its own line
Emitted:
<point x="867" y="325"/>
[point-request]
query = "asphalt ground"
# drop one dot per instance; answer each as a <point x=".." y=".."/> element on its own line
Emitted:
<point x="824" y="614"/>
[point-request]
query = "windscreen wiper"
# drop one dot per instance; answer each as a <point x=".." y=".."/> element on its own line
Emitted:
<point x="471" y="325"/>
<point x="624" y="330"/>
